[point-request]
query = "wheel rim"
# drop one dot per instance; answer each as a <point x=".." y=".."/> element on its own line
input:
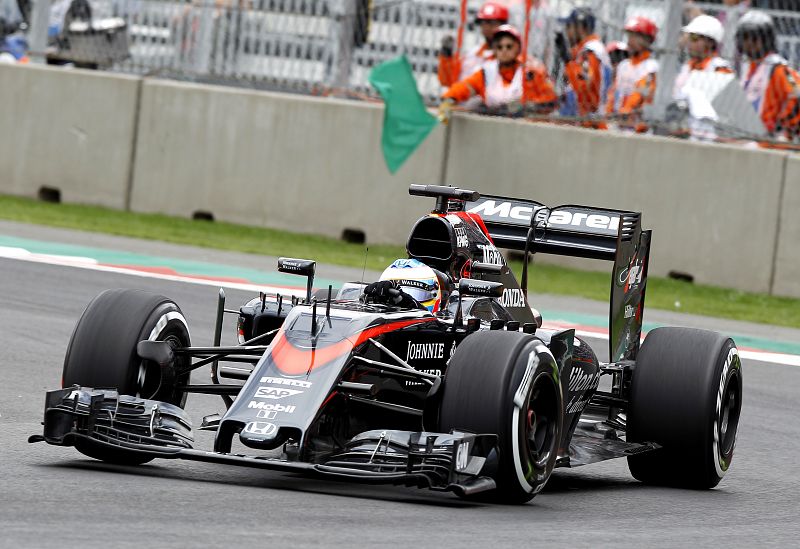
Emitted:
<point x="541" y="422"/>
<point x="729" y="414"/>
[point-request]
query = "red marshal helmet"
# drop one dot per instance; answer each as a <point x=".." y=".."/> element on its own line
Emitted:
<point x="641" y="25"/>
<point x="492" y="11"/>
<point x="507" y="30"/>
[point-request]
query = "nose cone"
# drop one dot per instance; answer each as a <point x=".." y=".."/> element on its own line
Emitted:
<point x="261" y="434"/>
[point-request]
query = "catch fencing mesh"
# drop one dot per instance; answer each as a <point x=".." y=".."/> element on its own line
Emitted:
<point x="329" y="47"/>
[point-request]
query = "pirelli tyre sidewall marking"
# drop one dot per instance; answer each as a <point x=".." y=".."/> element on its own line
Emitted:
<point x="530" y="480"/>
<point x="732" y="366"/>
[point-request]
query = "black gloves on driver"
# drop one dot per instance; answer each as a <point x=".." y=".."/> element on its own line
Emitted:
<point x="388" y="292"/>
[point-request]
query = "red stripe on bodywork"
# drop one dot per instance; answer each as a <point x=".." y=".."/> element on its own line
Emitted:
<point x="469" y="216"/>
<point x="478" y="220"/>
<point x="293" y="361"/>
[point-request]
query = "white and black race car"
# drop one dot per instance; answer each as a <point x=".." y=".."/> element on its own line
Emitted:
<point x="474" y="398"/>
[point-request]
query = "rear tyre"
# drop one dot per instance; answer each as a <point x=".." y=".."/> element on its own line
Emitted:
<point x="507" y="383"/>
<point x="686" y="395"/>
<point x="102" y="354"/>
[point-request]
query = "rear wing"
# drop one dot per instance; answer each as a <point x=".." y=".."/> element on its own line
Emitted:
<point x="569" y="230"/>
<point x="577" y="231"/>
<point x="581" y="231"/>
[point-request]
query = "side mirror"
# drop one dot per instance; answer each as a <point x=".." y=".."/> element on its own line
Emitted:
<point x="471" y="286"/>
<point x="537" y="317"/>
<point x="302" y="267"/>
<point x="159" y="352"/>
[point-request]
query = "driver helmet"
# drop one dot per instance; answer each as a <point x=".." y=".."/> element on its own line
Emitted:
<point x="417" y="280"/>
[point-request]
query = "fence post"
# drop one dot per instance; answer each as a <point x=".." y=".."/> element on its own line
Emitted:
<point x="344" y="14"/>
<point x="728" y="46"/>
<point x="202" y="62"/>
<point x="40" y="19"/>
<point x="668" y="60"/>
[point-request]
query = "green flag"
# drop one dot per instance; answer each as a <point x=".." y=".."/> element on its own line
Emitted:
<point x="406" y="122"/>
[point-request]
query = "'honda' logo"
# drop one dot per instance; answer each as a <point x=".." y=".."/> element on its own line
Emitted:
<point x="261" y="428"/>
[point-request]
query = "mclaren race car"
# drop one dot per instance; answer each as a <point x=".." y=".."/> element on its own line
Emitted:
<point x="365" y="383"/>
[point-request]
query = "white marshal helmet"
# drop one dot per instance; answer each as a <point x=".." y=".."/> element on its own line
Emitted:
<point x="417" y="280"/>
<point x="705" y="25"/>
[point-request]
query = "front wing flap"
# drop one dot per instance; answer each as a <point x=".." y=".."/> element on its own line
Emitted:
<point x="439" y="461"/>
<point x="109" y="418"/>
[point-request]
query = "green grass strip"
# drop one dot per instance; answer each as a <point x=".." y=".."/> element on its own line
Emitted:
<point x="662" y="293"/>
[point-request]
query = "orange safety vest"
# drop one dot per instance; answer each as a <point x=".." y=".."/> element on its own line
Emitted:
<point x="772" y="88"/>
<point x="589" y="78"/>
<point x="452" y="69"/>
<point x="634" y="83"/>
<point x="499" y="86"/>
<point x="712" y="63"/>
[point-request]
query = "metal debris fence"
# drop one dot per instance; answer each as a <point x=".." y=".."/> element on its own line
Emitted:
<point x="329" y="46"/>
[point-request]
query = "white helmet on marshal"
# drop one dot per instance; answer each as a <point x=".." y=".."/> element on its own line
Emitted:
<point x="705" y="25"/>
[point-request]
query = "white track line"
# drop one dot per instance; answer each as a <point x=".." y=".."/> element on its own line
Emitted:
<point x="761" y="356"/>
<point x="92" y="265"/>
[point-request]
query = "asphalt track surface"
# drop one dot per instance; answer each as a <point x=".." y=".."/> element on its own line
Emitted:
<point x="51" y="496"/>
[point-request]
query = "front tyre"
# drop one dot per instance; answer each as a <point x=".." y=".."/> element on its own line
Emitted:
<point x="102" y="354"/>
<point x="507" y="383"/>
<point x="686" y="395"/>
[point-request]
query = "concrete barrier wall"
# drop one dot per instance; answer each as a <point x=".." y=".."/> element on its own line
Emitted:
<point x="68" y="129"/>
<point x="713" y="209"/>
<point x="315" y="165"/>
<point x="787" y="260"/>
<point x="305" y="164"/>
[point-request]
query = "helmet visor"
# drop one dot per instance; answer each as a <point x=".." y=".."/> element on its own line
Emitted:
<point x="422" y="291"/>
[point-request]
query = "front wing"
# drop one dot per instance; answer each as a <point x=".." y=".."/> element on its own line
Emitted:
<point x="153" y="429"/>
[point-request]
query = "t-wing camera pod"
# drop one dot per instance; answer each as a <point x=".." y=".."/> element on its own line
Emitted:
<point x="301" y="267"/>
<point x="443" y="195"/>
<point x="307" y="268"/>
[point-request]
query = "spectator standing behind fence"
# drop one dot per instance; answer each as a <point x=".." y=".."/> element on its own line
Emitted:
<point x="691" y="114"/>
<point x="502" y="83"/>
<point x="587" y="67"/>
<point x="703" y="35"/>
<point x="635" y="82"/>
<point x="453" y="68"/>
<point x="769" y="83"/>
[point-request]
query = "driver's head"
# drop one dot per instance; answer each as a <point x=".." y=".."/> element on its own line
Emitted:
<point x="417" y="280"/>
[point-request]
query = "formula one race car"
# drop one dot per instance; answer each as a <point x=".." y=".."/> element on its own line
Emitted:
<point x="367" y="383"/>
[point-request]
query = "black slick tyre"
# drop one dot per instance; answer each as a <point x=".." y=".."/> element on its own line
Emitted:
<point x="102" y="354"/>
<point x="686" y="395"/>
<point x="507" y="383"/>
